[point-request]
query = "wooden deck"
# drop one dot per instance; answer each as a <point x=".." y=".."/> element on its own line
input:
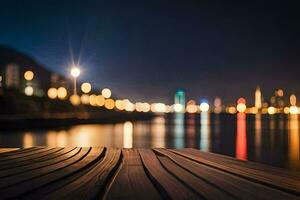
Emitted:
<point x="109" y="173"/>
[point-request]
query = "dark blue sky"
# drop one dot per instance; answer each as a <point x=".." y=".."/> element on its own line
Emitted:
<point x="144" y="50"/>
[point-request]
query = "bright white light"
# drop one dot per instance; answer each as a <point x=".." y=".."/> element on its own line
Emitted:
<point x="204" y="107"/>
<point x="106" y="93"/>
<point x="294" y="110"/>
<point x="241" y="107"/>
<point x="158" y="107"/>
<point x="271" y="110"/>
<point x="29" y="91"/>
<point x="178" y="107"/>
<point x="86" y="87"/>
<point x="75" y="72"/>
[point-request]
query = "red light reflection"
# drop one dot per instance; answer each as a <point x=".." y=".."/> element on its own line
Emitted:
<point x="241" y="137"/>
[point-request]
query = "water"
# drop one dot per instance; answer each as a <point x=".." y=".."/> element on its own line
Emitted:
<point x="273" y="140"/>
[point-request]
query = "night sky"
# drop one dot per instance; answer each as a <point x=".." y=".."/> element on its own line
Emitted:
<point x="145" y="50"/>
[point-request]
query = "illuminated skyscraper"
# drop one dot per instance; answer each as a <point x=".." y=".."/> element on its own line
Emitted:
<point x="258" y="99"/>
<point x="180" y="98"/>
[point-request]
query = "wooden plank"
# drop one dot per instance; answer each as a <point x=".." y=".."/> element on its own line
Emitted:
<point x="90" y="173"/>
<point x="25" y="188"/>
<point x="92" y="184"/>
<point x="5" y="150"/>
<point x="22" y="150"/>
<point x="167" y="183"/>
<point x="44" y="156"/>
<point x="278" y="181"/>
<point x="19" y="178"/>
<point x="59" y="183"/>
<point x="233" y="162"/>
<point x="238" y="187"/>
<point x="15" y="161"/>
<point x="239" y="173"/>
<point x="198" y="185"/>
<point x="39" y="162"/>
<point x="131" y="182"/>
<point x="23" y="155"/>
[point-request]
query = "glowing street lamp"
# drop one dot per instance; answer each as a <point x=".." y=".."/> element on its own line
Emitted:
<point x="75" y="72"/>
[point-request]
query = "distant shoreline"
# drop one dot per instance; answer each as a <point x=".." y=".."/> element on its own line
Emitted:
<point x="19" y="123"/>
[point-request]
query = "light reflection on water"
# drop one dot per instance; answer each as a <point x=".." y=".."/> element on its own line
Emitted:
<point x="294" y="161"/>
<point x="272" y="139"/>
<point x="127" y="135"/>
<point x="204" y="132"/>
<point x="179" y="130"/>
<point x="241" y="137"/>
<point x="257" y="137"/>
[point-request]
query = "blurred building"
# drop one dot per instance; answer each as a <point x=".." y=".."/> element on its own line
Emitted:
<point x="18" y="71"/>
<point x="180" y="98"/>
<point x="258" y="98"/>
<point x="218" y="105"/>
<point x="12" y="76"/>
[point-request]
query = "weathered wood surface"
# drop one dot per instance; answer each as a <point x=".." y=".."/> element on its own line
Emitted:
<point x="110" y="173"/>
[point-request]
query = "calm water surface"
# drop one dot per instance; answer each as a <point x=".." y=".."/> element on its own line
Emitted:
<point x="272" y="140"/>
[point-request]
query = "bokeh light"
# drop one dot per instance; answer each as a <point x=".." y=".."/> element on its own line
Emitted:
<point x="169" y="109"/>
<point x="191" y="106"/>
<point x="139" y="107"/>
<point x="286" y="110"/>
<point x="93" y="100"/>
<point x="204" y="107"/>
<point x="294" y="110"/>
<point x="62" y="92"/>
<point x="120" y="104"/>
<point x="178" y="107"/>
<point x="85" y="99"/>
<point x="75" y="100"/>
<point x="130" y="107"/>
<point x="86" y="87"/>
<point x="231" y="110"/>
<point x="158" y="107"/>
<point x="28" y="75"/>
<point x="241" y="107"/>
<point x="52" y="93"/>
<point x="272" y="110"/>
<point x="106" y="93"/>
<point x="29" y="90"/>
<point x="109" y="104"/>
<point x="100" y="100"/>
<point x="146" y="107"/>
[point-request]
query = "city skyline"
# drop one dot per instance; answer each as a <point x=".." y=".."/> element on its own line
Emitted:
<point x="58" y="80"/>
<point x="26" y="76"/>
